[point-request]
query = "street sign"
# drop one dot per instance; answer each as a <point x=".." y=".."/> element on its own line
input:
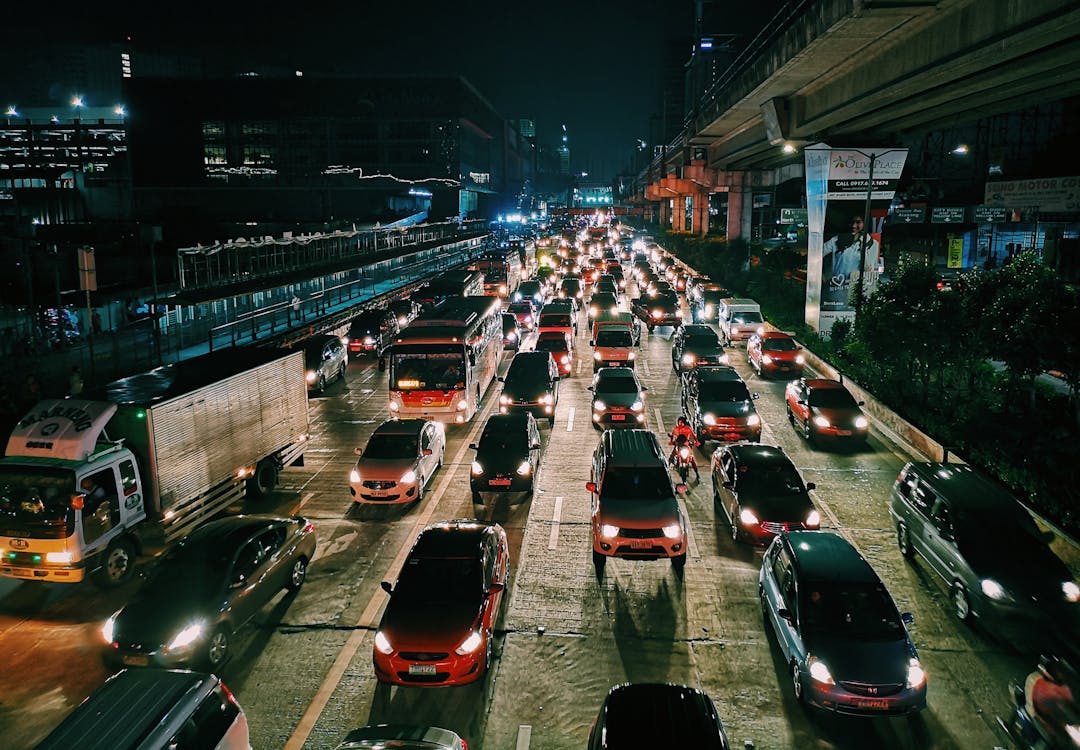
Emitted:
<point x="946" y="215"/>
<point x="87" y="269"/>
<point x="793" y="216"/>
<point x="989" y="215"/>
<point x="907" y="216"/>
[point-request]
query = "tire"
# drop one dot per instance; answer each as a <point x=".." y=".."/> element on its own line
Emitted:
<point x="297" y="575"/>
<point x="678" y="563"/>
<point x="117" y="564"/>
<point x="321" y="388"/>
<point x="684" y="472"/>
<point x="806" y="433"/>
<point x="960" y="601"/>
<point x="265" y="479"/>
<point x="790" y="416"/>
<point x="796" y="684"/>
<point x="903" y="541"/>
<point x="551" y="421"/>
<point x="341" y="373"/>
<point x="217" y="648"/>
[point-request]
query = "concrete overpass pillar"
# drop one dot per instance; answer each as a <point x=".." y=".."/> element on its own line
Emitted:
<point x="665" y="212"/>
<point x="679" y="213"/>
<point x="700" y="219"/>
<point x="740" y="211"/>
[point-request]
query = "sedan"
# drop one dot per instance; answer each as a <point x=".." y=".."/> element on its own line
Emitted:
<point x="775" y="353"/>
<point x="525" y="313"/>
<point x="760" y="492"/>
<point x="208" y="586"/>
<point x="696" y="345"/>
<point x="618" y="398"/>
<point x="824" y="410"/>
<point x="507" y="456"/>
<point x="402" y="737"/>
<point x="436" y="629"/>
<point x="602" y="302"/>
<point x="398" y="462"/>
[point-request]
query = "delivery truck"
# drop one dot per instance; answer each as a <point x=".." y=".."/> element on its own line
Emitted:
<point x="88" y="483"/>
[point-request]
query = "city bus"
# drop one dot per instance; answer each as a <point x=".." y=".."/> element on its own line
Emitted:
<point x="443" y="362"/>
<point x="502" y="272"/>
<point x="448" y="284"/>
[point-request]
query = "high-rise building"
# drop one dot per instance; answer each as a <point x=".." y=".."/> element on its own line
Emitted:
<point x="527" y="127"/>
<point x="564" y="152"/>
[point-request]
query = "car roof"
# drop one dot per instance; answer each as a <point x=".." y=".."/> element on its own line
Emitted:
<point x="514" y="421"/>
<point x="230" y="532"/>
<point x="411" y="426"/>
<point x="318" y="341"/>
<point x="458" y="538"/>
<point x="717" y="372"/>
<point x="632" y="448"/>
<point x="774" y="335"/>
<point x="696" y="329"/>
<point x="660" y="715"/>
<point x="616" y="373"/>
<point x="825" y="556"/>
<point x="965" y="488"/>
<point x="758" y="455"/>
<point x="822" y="383"/>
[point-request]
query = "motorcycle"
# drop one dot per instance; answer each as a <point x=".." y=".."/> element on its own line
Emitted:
<point x="684" y="458"/>
<point x="1024" y="731"/>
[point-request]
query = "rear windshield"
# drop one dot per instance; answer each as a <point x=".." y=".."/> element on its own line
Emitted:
<point x="551" y="345"/>
<point x="608" y="337"/>
<point x="778" y="345"/>
<point x="555" y="321"/>
<point x="746" y="317"/>
<point x="722" y="390"/>
<point x="832" y="398"/>
<point x="636" y="483"/>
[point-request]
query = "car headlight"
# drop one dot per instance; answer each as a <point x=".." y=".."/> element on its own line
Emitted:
<point x="631" y="356"/>
<point x="656" y="313"/>
<point x="186" y="637"/>
<point x="800" y="359"/>
<point x="108" y="630"/>
<point x="820" y="421"/>
<point x="747" y="517"/>
<point x="637" y="406"/>
<point x="766" y="359"/>
<point x="524" y="469"/>
<point x="382" y="643"/>
<point x="1071" y="591"/>
<point x="477" y="469"/>
<point x="394" y="406"/>
<point x="598" y="405"/>
<point x="688" y="359"/>
<point x="593" y="310"/>
<point x="819" y="671"/>
<point x="61" y="558"/>
<point x="709" y="419"/>
<point x="596" y="356"/>
<point x="408" y="477"/>
<point x="753" y="420"/>
<point x="861" y="423"/>
<point x="673" y="531"/>
<point x="511" y="336"/>
<point x="734" y="329"/>
<point x="354" y="477"/>
<point x="310" y="376"/>
<point x="463" y="404"/>
<point x="916" y="675"/>
<point x="470" y="644"/>
<point x="760" y="330"/>
<point x="403" y="320"/>
<point x="684" y="452"/>
<point x="813" y="519"/>
<point x="615" y="309"/>
<point x="608" y="531"/>
<point x="564" y="359"/>
<point x="708" y="310"/>
<point x="994" y="590"/>
<point x="504" y="400"/>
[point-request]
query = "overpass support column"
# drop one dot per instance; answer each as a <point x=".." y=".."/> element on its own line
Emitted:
<point x="740" y="210"/>
<point x="700" y="219"/>
<point x="665" y="211"/>
<point x="679" y="212"/>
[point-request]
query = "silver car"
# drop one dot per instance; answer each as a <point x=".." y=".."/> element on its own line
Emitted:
<point x="401" y="457"/>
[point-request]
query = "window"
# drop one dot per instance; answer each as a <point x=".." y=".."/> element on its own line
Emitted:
<point x="208" y="724"/>
<point x="128" y="478"/>
<point x="213" y="129"/>
<point x="214" y="154"/>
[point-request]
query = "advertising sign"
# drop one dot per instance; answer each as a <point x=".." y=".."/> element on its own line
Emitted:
<point x="942" y="215"/>
<point x="793" y="216"/>
<point x="1046" y="194"/>
<point x="849" y="172"/>
<point x="956" y="253"/>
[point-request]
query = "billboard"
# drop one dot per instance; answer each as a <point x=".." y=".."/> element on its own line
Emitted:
<point x="844" y="244"/>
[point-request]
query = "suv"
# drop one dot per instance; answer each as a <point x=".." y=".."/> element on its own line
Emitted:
<point x="987" y="548"/>
<point x="844" y="641"/>
<point x="325" y="358"/>
<point x="718" y="405"/>
<point x="635" y="509"/>
<point x="824" y="409"/>
<point x="705" y="302"/>
<point x="774" y="353"/>
<point x="694" y="345"/>
<point x="657" y="715"/>
<point x="531" y="384"/>
<point x="613" y="346"/>
<point x="372" y="331"/>
<point x="761" y="492"/>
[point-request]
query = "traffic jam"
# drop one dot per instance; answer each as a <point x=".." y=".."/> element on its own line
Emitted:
<point x="587" y="492"/>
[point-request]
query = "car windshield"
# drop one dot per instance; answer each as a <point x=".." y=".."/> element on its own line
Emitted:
<point x="774" y="478"/>
<point x="616" y="385"/>
<point x="498" y="438"/>
<point x="520" y="307"/>
<point x="778" y="345"/>
<point x="439" y="579"/>
<point x="832" y="398"/>
<point x="636" y="483"/>
<point x="746" y="317"/>
<point x="571" y="285"/>
<point x="723" y="390"/>
<point x="36" y="502"/>
<point x="550" y="320"/>
<point x="391" y="446"/>
<point x="702" y="341"/>
<point x="862" y="611"/>
<point x="614" y="338"/>
<point x="427" y="370"/>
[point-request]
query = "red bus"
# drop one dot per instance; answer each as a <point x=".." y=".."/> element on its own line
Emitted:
<point x="502" y="272"/>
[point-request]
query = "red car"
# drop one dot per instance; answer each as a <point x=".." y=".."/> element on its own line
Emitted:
<point x="558" y="343"/>
<point x="525" y="314"/>
<point x="774" y="353"/>
<point x="436" y="629"/>
<point x="823" y="409"/>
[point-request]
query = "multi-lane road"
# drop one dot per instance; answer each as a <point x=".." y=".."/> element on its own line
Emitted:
<point x="303" y="673"/>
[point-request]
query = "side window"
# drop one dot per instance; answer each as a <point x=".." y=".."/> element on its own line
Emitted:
<point x="207" y="724"/>
<point x="489" y="563"/>
<point x="273" y="540"/>
<point x="942" y="517"/>
<point x="247" y="561"/>
<point x="128" y="478"/>
<point x="923" y="498"/>
<point x="727" y="463"/>
<point x="101" y="507"/>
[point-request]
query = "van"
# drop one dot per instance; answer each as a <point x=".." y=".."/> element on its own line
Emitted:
<point x="635" y="507"/>
<point x="624" y="318"/>
<point x="152" y="709"/>
<point x="739" y="319"/>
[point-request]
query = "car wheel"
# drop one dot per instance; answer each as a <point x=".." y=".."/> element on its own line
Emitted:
<point x="790" y="416"/>
<point x="217" y="648"/>
<point x="118" y="564"/>
<point x="796" y="682"/>
<point x="764" y="610"/>
<point x="551" y="421"/>
<point x="322" y="383"/>
<point x="903" y="541"/>
<point x="297" y="575"/>
<point x="961" y="603"/>
<point x="341" y="372"/>
<point x="806" y="430"/>
<point x="420" y="489"/>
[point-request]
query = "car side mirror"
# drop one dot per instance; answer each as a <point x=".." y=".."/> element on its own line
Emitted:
<point x="428" y="452"/>
<point x="810" y="486"/>
<point x="907" y="618"/>
<point x="555" y="379"/>
<point x="501" y="379"/>
<point x="357" y="451"/>
<point x="592" y="342"/>
<point x="385" y="586"/>
<point x="534" y="447"/>
<point x="644" y="388"/>
<point x="590" y="486"/>
<point x="681" y="488"/>
<point x="801" y="402"/>
<point x="785" y="614"/>
<point x="862" y="403"/>
<point x="473" y="446"/>
<point x="755" y="396"/>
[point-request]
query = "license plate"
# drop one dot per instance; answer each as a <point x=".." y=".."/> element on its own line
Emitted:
<point x="421" y="669"/>
<point x="640" y="544"/>
<point x="613" y="364"/>
<point x="22" y="572"/>
<point x="136" y="661"/>
<point x="499" y="482"/>
<point x="874" y="703"/>
<point x="618" y="417"/>
<point x="843" y="432"/>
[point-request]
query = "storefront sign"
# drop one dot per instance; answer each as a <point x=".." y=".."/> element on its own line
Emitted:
<point x="1046" y="194"/>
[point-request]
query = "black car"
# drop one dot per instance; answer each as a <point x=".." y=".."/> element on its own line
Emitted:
<point x="648" y="715"/>
<point x="532" y="290"/>
<point x="507" y="456"/>
<point x="511" y="331"/>
<point x="210" y="584"/>
<point x="372" y="331"/>
<point x="704" y="300"/>
<point x="602" y="302"/>
<point x="761" y="493"/>
<point x="719" y="406"/>
<point x="531" y="384"/>
<point x="696" y="345"/>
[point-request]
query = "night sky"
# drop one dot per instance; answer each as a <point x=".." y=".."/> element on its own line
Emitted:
<point x="592" y="65"/>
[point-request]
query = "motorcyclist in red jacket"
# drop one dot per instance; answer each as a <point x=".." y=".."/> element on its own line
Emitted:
<point x="684" y="435"/>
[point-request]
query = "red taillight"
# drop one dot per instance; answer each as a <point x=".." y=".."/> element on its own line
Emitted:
<point x="464" y="744"/>
<point x="228" y="694"/>
<point x="309" y="527"/>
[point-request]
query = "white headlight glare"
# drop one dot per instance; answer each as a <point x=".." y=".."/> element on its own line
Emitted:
<point x="598" y="405"/>
<point x="394" y="406"/>
<point x="382" y="643"/>
<point x="477" y="469"/>
<point x="108" y="629"/>
<point x="310" y="376"/>
<point x="747" y="517"/>
<point x="60" y="558"/>
<point x="524" y="468"/>
<point x="504" y="400"/>
<point x="993" y="589"/>
<point x="766" y="359"/>
<point x="916" y="675"/>
<point x="187" y="636"/>
<point x="637" y="406"/>
<point x="608" y="531"/>
<point x="688" y="359"/>
<point x="800" y="359"/>
<point x="709" y="419"/>
<point x="596" y="356"/>
<point x="1071" y="591"/>
<point x="820" y="421"/>
<point x="861" y="423"/>
<point x="463" y="404"/>
<point x="813" y="519"/>
<point x="684" y="452"/>
<point x="354" y="476"/>
<point x="631" y="356"/>
<point x="408" y="477"/>
<point x="819" y="671"/>
<point x="753" y="420"/>
<point x="470" y="644"/>
<point x="673" y="531"/>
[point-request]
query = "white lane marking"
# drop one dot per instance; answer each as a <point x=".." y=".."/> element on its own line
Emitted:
<point x="660" y="429"/>
<point x="570" y="419"/>
<point x="553" y="541"/>
<point x="691" y="542"/>
<point x="645" y="367"/>
<point x="368" y="619"/>
<point x="303" y="500"/>
<point x="524" y="737"/>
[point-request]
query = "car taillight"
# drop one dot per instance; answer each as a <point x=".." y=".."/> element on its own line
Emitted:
<point x="228" y="694"/>
<point x="309" y="527"/>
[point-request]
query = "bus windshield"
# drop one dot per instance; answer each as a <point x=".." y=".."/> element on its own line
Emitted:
<point x="431" y="371"/>
<point x="36" y="502"/>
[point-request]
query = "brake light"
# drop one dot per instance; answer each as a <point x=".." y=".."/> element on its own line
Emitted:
<point x="309" y="527"/>
<point x="228" y="694"/>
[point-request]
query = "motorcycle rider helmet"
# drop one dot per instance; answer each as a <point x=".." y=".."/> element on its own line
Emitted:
<point x="682" y="421"/>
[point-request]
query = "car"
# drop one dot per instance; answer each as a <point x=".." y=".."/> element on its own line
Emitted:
<point x="325" y="359"/>
<point x="398" y="462"/>
<point x="557" y="317"/>
<point x="602" y="302"/>
<point x="635" y="510"/>
<point x="658" y="311"/>
<point x="986" y="548"/>
<point x="531" y="290"/>
<point x="437" y="627"/>
<point x="511" y="331"/>
<point x="616" y="273"/>
<point x="696" y="345"/>
<point x="718" y="405"/>
<point x="507" y="455"/>
<point x="404" y="311"/>
<point x="844" y="642"/>
<point x="208" y="586"/>
<point x="775" y="353"/>
<point x="761" y="492"/>
<point x="618" y="399"/>
<point x="561" y="348"/>
<point x="525" y="313"/>
<point x="613" y="345"/>
<point x="705" y="302"/>
<point x="372" y="331"/>
<point x="657" y="715"/>
<point x="571" y="288"/>
<point x="823" y="410"/>
<point x="607" y="283"/>
<point x="402" y="737"/>
<point x="531" y="384"/>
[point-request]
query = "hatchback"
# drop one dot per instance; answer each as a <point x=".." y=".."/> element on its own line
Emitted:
<point x="761" y="493"/>
<point x="525" y="313"/>
<point x="843" y="640"/>
<point x="437" y="626"/>
<point x="653" y="715"/>
<point x="398" y="462"/>
<point x="402" y="737"/>
<point x="618" y="399"/>
<point x="507" y="456"/>
<point x="558" y="344"/>
<point x="774" y="353"/>
<point x="696" y="345"/>
<point x="719" y="406"/>
<point x="824" y="410"/>
<point x="325" y="359"/>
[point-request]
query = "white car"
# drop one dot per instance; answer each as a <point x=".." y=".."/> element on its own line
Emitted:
<point x="401" y="457"/>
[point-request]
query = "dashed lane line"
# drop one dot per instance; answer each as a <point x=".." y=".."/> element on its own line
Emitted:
<point x="524" y="737"/>
<point x="570" y="419"/>
<point x="553" y="541"/>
